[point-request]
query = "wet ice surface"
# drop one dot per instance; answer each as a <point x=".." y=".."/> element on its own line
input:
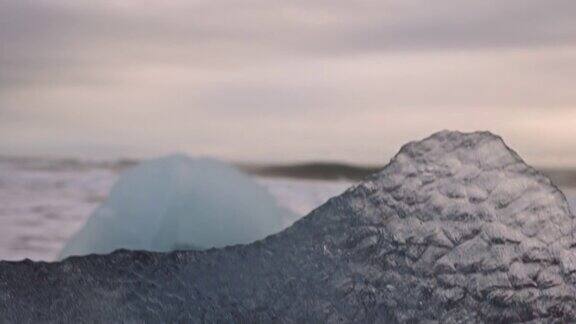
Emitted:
<point x="43" y="204"/>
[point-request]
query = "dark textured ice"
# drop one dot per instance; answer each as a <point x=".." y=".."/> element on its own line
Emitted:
<point x="455" y="229"/>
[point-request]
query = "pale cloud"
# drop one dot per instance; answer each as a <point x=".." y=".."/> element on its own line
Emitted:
<point x="284" y="80"/>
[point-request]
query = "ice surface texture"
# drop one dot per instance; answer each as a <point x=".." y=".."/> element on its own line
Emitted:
<point x="456" y="229"/>
<point x="177" y="202"/>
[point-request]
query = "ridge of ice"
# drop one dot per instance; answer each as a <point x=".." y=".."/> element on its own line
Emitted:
<point x="455" y="229"/>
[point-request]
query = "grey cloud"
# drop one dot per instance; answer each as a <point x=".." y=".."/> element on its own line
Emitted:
<point x="260" y="99"/>
<point x="44" y="29"/>
<point x="197" y="67"/>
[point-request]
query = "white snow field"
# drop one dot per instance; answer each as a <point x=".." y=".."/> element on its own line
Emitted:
<point x="43" y="203"/>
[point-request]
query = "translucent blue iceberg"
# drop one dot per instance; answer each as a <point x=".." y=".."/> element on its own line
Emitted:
<point x="177" y="202"/>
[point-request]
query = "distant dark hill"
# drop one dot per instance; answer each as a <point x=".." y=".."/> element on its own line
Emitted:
<point x="313" y="170"/>
<point x="563" y="177"/>
<point x="320" y="170"/>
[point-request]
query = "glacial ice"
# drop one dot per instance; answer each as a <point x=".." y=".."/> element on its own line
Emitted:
<point x="455" y="229"/>
<point x="177" y="202"/>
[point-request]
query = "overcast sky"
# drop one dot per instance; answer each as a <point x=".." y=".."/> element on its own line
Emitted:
<point x="268" y="80"/>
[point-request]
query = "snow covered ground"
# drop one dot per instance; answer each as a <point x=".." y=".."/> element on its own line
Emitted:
<point x="43" y="203"/>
